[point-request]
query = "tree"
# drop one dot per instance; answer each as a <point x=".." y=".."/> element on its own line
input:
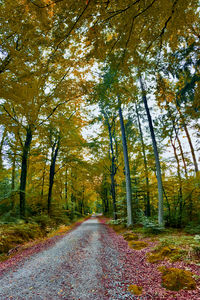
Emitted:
<point x="127" y="169"/>
<point x="156" y="155"/>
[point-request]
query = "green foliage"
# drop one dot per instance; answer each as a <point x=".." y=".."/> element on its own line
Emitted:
<point x="149" y="225"/>
<point x="196" y="251"/>
<point x="44" y="221"/>
<point x="5" y="188"/>
<point x="192" y="228"/>
<point x="121" y="221"/>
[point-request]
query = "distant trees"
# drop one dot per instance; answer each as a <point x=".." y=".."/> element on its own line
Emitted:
<point x="138" y="63"/>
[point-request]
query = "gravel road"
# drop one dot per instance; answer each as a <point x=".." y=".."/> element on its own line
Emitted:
<point x="82" y="265"/>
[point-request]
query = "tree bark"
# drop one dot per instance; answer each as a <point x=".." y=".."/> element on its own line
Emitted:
<point x="182" y="154"/>
<point x="13" y="170"/>
<point x="51" y="175"/>
<point x="156" y="155"/>
<point x="180" y="196"/>
<point x="112" y="173"/>
<point x="23" y="178"/>
<point x="127" y="170"/>
<point x="189" y="141"/>
<point x="66" y="187"/>
<point x="148" y="207"/>
<point x="1" y="147"/>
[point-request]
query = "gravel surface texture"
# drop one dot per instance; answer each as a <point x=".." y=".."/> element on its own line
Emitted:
<point x="91" y="262"/>
<point x="73" y="268"/>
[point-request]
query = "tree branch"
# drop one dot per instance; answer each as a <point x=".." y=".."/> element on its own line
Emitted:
<point x="47" y="5"/>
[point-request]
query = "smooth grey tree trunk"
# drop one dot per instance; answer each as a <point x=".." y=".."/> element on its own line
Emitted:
<point x="189" y="141"/>
<point x="1" y="147"/>
<point x="156" y="155"/>
<point x="66" y="187"/>
<point x="148" y="207"/>
<point x="127" y="170"/>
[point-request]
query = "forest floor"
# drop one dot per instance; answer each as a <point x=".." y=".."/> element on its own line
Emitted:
<point x="91" y="262"/>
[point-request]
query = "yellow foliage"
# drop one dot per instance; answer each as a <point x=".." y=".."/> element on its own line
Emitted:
<point x="177" y="279"/>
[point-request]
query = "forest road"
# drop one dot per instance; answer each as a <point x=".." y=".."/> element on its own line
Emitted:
<point x="82" y="265"/>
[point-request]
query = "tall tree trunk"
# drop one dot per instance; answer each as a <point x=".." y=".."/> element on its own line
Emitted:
<point x="189" y="141"/>
<point x="13" y="170"/>
<point x="170" y="116"/>
<point x="148" y="207"/>
<point x="66" y="187"/>
<point x="127" y="171"/>
<point x="1" y="147"/>
<point x="43" y="178"/>
<point x="51" y="175"/>
<point x="180" y="196"/>
<point x="113" y="191"/>
<point x="112" y="168"/>
<point x="13" y="178"/>
<point x="112" y="175"/>
<point x="182" y="153"/>
<point x="23" y="178"/>
<point x="156" y="155"/>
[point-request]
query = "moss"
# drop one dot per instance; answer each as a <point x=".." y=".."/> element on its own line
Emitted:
<point x="167" y="252"/>
<point x="135" y="289"/>
<point x="176" y="279"/>
<point x="118" y="228"/>
<point x="138" y="245"/>
<point x="129" y="236"/>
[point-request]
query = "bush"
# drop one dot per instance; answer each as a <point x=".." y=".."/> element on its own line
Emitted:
<point x="192" y="228"/>
<point x="149" y="225"/>
<point x="122" y="221"/>
<point x="17" y="234"/>
<point x="44" y="221"/>
<point x="196" y="251"/>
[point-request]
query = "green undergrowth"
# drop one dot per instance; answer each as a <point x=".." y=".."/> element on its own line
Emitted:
<point x="177" y="246"/>
<point x="170" y="244"/>
<point x="14" y="235"/>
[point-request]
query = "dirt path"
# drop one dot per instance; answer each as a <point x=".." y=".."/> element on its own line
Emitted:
<point x="82" y="265"/>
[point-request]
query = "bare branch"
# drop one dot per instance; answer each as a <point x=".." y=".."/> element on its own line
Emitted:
<point x="53" y="110"/>
<point x="13" y="118"/>
<point x="72" y="27"/>
<point x="57" y="85"/>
